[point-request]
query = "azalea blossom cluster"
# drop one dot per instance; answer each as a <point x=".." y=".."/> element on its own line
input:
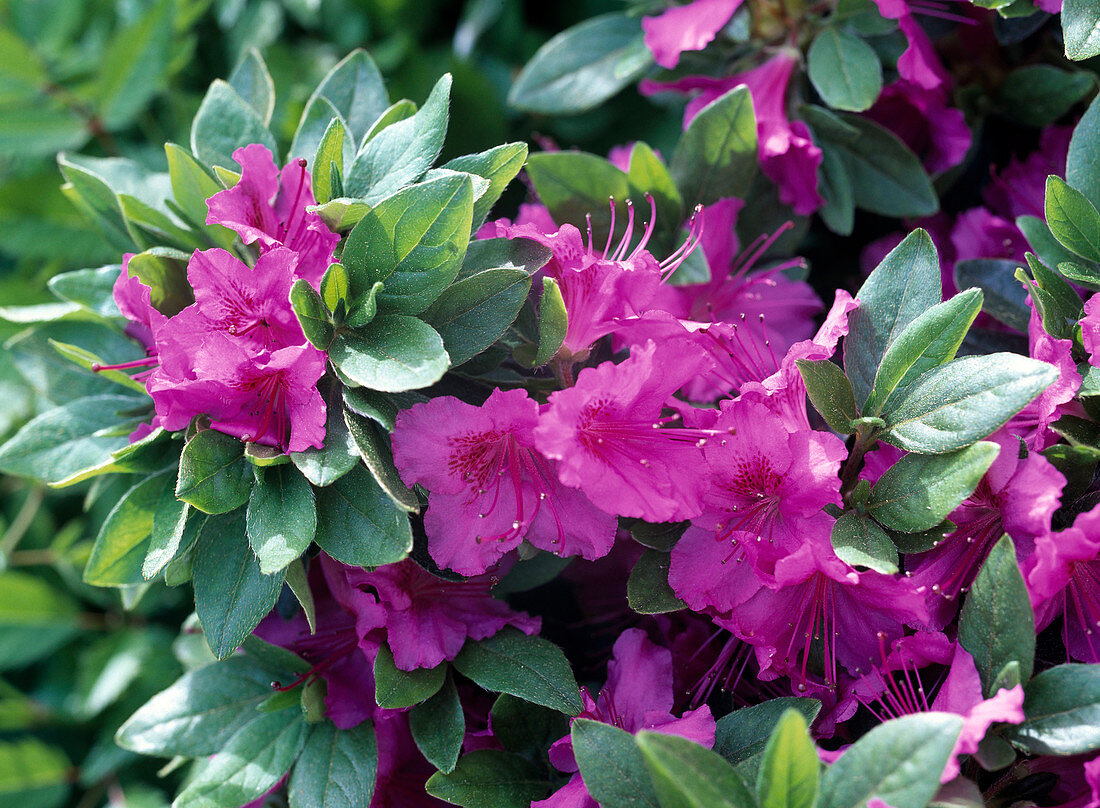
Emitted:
<point x="237" y="354"/>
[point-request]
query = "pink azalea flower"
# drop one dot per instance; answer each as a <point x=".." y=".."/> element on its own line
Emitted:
<point x="134" y="301"/>
<point x="602" y="288"/>
<point x="894" y="688"/>
<point x="1065" y="581"/>
<point x="1019" y="189"/>
<point x="817" y="604"/>
<point x="607" y="434"/>
<point x="638" y="696"/>
<point x="980" y="233"/>
<point x="686" y="28"/>
<point x="919" y="63"/>
<point x="269" y="207"/>
<point x="423" y="618"/>
<point x="1017" y="497"/>
<point x="402" y="769"/>
<point x="489" y="487"/>
<point x="1090" y="329"/>
<point x="921" y="117"/>
<point x="768" y="485"/>
<point x="788" y="155"/>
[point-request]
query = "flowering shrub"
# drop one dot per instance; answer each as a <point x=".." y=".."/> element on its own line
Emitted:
<point x="613" y="502"/>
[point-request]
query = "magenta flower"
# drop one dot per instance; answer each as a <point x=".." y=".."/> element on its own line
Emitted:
<point x="1017" y="497"/>
<point x="269" y="207"/>
<point x="1090" y="329"/>
<point x="134" y="301"/>
<point x="1065" y="581"/>
<point x="489" y="488"/>
<point x="768" y="485"/>
<point x="1019" y="188"/>
<point x="424" y="619"/>
<point x="788" y="155"/>
<point x="894" y="688"/>
<point x="921" y="117"/>
<point x="609" y="439"/>
<point x="818" y="605"/>
<point x="638" y="695"/>
<point x="919" y="63"/>
<point x="402" y="769"/>
<point x="686" y="28"/>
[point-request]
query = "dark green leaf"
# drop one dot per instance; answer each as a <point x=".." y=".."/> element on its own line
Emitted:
<point x="612" y="765"/>
<point x="232" y="596"/>
<point x="214" y="477"/>
<point x="33" y="774"/>
<point x="830" y="391"/>
<point x="395" y="689"/>
<point x="529" y="667"/>
<point x="473" y="313"/>
<point x="582" y="66"/>
<point x="356" y="90"/>
<point x="281" y="517"/>
<point x="716" y="156"/>
<point x="377" y="455"/>
<point x="1073" y="219"/>
<point x="687" y="775"/>
<point x="1083" y="160"/>
<point x="167" y="535"/>
<point x="339" y="456"/>
<point x="899" y="762"/>
<point x="919" y="491"/>
<point x="358" y="524"/>
<point x="574" y="185"/>
<point x="487" y="778"/>
<point x="845" y="70"/>
<point x="329" y="162"/>
<point x="336" y="768"/>
<point x="858" y="541"/>
<point x="1003" y="297"/>
<point x="392" y="353"/>
<point x="901" y="288"/>
<point x="741" y="736"/>
<point x="963" y="401"/>
<point x="438" y="726"/>
<point x="647" y="590"/>
<point x="1040" y="94"/>
<point x="524" y="728"/>
<point x="1061" y="712"/>
<point x="997" y="625"/>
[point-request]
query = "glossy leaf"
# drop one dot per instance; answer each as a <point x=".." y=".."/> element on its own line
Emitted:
<point x="214" y="477"/>
<point x="716" y="156"/>
<point x="687" y="775"/>
<point x="358" y="524"/>
<point x="336" y="769"/>
<point x="281" y="517"/>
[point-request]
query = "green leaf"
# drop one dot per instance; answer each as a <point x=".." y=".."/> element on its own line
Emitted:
<point x="329" y="159"/>
<point x="835" y="186"/>
<point x="402" y="152"/>
<point x="392" y="353"/>
<point x="575" y="185"/>
<point x="356" y="91"/>
<point x="253" y="760"/>
<point x="123" y="540"/>
<point x="687" y="775"/>
<point x="325" y="466"/>
<point x="91" y="288"/>
<point x="919" y="491"/>
<point x="395" y="112"/>
<point x="927" y="342"/>
<point x="790" y="770"/>
<point x="336" y="768"/>
<point x="473" y="313"/>
<point x="898" y="762"/>
<point x="1087" y="276"/>
<point x="232" y="596"/>
<point x="647" y="589"/>
<point x="1073" y="219"/>
<point x="830" y="392"/>
<point x="524" y="728"/>
<point x="42" y="131"/>
<point x="716" y="156"/>
<point x="214" y="476"/>
<point x="357" y="523"/>
<point x="742" y="736"/>
<point x="1040" y="94"/>
<point x="1058" y="303"/>
<point x="439" y="726"/>
<point x="488" y="778"/>
<point x="858" y="541"/>
<point x="499" y="165"/>
<point x="134" y="67"/>
<point x="553" y="322"/>
<point x="582" y="67"/>
<point x="1061" y="712"/>
<point x="252" y="81"/>
<point x="35" y="619"/>
<point x="396" y="689"/>
<point x="197" y="715"/>
<point x="61" y="444"/>
<point x="335" y="286"/>
<point x="167" y="534"/>
<point x="377" y="455"/>
<point x="1003" y="297"/>
<point x="529" y="667"/>
<point x="33" y="774"/>
<point x="1081" y="29"/>
<point x="312" y="316"/>
<point x="901" y="288"/>
<point x="612" y="765"/>
<point x="1083" y="161"/>
<point x="963" y="401"/>
<point x="997" y="625"/>
<point x="845" y="70"/>
<point x="225" y="122"/>
<point x="648" y="173"/>
<point x="281" y="517"/>
<point x="886" y="177"/>
<point x="89" y="361"/>
<point x="164" y="271"/>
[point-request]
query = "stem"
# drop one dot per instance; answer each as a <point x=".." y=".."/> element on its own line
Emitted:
<point x="849" y="475"/>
